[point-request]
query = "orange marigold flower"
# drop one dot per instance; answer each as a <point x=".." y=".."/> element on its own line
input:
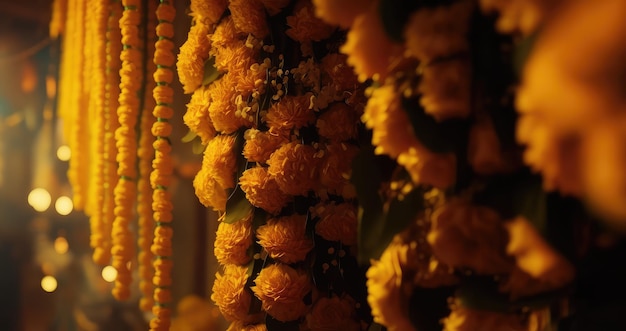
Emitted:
<point x="484" y="152"/>
<point x="294" y="166"/>
<point x="235" y="57"/>
<point x="340" y="13"/>
<point x="338" y="123"/>
<point x="304" y="26"/>
<point x="336" y="166"/>
<point x="260" y="145"/>
<point x="241" y="326"/>
<point x="445" y="89"/>
<point x="208" y="12"/>
<point x="465" y="319"/>
<point x="225" y="34"/>
<point x="221" y="161"/>
<point x="197" y="116"/>
<point x="230" y="294"/>
<point x="285" y="238"/>
<point x="208" y="191"/>
<point x="463" y="235"/>
<point x="369" y="49"/>
<point x="333" y="314"/>
<point x="437" y="32"/>
<point x="249" y="17"/>
<point x="520" y="15"/>
<point x="262" y="190"/>
<point x="290" y="113"/>
<point x="337" y="222"/>
<point x="193" y="54"/>
<point x="232" y="242"/>
<point x="223" y="108"/>
<point x="281" y="290"/>
<point x="338" y="73"/>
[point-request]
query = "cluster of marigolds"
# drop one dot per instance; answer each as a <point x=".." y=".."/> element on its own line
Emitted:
<point x="282" y="92"/>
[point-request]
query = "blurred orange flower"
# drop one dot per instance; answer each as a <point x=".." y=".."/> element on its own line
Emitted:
<point x="336" y="167"/>
<point x="337" y="222"/>
<point x="230" y="294"/>
<point x="304" y="26"/>
<point x="445" y="89"/>
<point x="191" y="57"/>
<point x="340" y="13"/>
<point x="208" y="191"/>
<point x="333" y="313"/>
<point x="339" y="122"/>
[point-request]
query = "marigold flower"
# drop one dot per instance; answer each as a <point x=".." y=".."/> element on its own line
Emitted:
<point x="249" y="17"/>
<point x="534" y="256"/>
<point x="338" y="123"/>
<point x="223" y="108"/>
<point x="262" y="190"/>
<point x="369" y="49"/>
<point x="333" y="314"/>
<point x="235" y="57"/>
<point x="336" y="166"/>
<point x="285" y="238"/>
<point x="208" y="12"/>
<point x="197" y="116"/>
<point x="281" y="290"/>
<point x="295" y="168"/>
<point x="230" y="294"/>
<point x="445" y="89"/>
<point x="484" y="152"/>
<point x="337" y="222"/>
<point x="221" y="161"/>
<point x="291" y="112"/>
<point x="260" y="145"/>
<point x="338" y="73"/>
<point x="465" y="319"/>
<point x="274" y="7"/>
<point x="209" y="191"/>
<point x="304" y="26"/>
<point x="340" y="13"/>
<point x="225" y="34"/>
<point x="241" y="326"/>
<point x="232" y="242"/>
<point x="437" y="32"/>
<point x="463" y="235"/>
<point x="520" y="15"/>
<point x="193" y="54"/>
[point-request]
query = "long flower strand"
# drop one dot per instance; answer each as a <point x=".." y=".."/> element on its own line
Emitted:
<point x="146" y="155"/>
<point x="163" y="166"/>
<point x="126" y="142"/>
<point x="112" y="90"/>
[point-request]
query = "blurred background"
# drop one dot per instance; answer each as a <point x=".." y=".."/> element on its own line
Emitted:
<point x="47" y="280"/>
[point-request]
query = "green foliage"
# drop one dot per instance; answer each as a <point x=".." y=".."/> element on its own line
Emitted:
<point x="237" y="206"/>
<point x="210" y="72"/>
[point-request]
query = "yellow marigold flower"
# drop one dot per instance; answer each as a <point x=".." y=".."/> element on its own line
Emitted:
<point x="262" y="190"/>
<point x="234" y="57"/>
<point x="241" y="326"/>
<point x="534" y="256"/>
<point x="281" y="290"/>
<point x="437" y="32"/>
<point x="393" y="135"/>
<point x="291" y="112"/>
<point x="463" y="235"/>
<point x="340" y="13"/>
<point x="484" y="152"/>
<point x="274" y="7"/>
<point x="337" y="222"/>
<point x="208" y="12"/>
<point x="336" y="166"/>
<point x="249" y="17"/>
<point x="386" y="292"/>
<point x="338" y="123"/>
<point x="465" y="319"/>
<point x="209" y="191"/>
<point x="445" y="89"/>
<point x="338" y="73"/>
<point x="285" y="238"/>
<point x="197" y="116"/>
<point x="221" y="160"/>
<point x="223" y="108"/>
<point x="193" y="54"/>
<point x="232" y="242"/>
<point x="369" y="49"/>
<point x="260" y="145"/>
<point x="333" y="314"/>
<point x="230" y="294"/>
<point x="225" y="34"/>
<point x="520" y="15"/>
<point x="304" y="26"/>
<point x="294" y="166"/>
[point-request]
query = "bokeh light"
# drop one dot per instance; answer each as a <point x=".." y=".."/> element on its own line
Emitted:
<point x="109" y="273"/>
<point x="39" y="199"/>
<point x="64" y="153"/>
<point x="60" y="245"/>
<point x="49" y="284"/>
<point x="64" y="205"/>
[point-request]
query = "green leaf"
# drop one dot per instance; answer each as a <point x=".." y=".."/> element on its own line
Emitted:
<point x="237" y="206"/>
<point x="197" y="147"/>
<point x="190" y="136"/>
<point x="210" y="72"/>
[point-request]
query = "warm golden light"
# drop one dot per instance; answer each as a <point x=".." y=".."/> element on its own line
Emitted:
<point x="60" y="245"/>
<point x="109" y="273"/>
<point x="64" y="205"/>
<point x="64" y="153"/>
<point x="49" y="284"/>
<point x="39" y="199"/>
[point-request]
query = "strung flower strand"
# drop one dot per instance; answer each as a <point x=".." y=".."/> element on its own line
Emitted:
<point x="163" y="168"/>
<point x="126" y="188"/>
